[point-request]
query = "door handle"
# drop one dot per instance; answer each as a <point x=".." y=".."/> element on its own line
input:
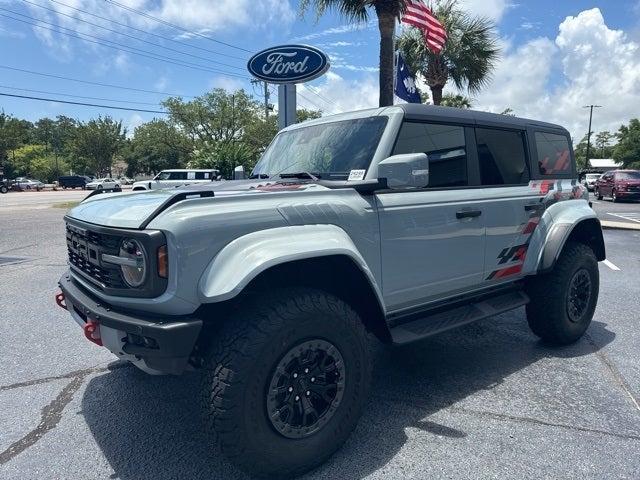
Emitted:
<point x="468" y="213"/>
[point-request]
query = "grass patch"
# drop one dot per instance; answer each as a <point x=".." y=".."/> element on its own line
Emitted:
<point x="66" y="205"/>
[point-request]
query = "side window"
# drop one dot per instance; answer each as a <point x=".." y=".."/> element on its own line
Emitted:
<point x="502" y="158"/>
<point x="178" y="176"/>
<point x="553" y="153"/>
<point x="445" y="146"/>
<point x="202" y="175"/>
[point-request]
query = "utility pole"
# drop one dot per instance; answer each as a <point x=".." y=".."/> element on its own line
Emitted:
<point x="267" y="107"/>
<point x="590" y="107"/>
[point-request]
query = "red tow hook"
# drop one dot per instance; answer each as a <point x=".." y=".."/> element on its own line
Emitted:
<point x="60" y="300"/>
<point x="92" y="332"/>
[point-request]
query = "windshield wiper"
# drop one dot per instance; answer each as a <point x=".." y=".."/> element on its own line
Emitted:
<point x="300" y="175"/>
<point x="259" y="175"/>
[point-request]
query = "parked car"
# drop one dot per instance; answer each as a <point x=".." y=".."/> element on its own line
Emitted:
<point x="24" y="183"/>
<point x="619" y="185"/>
<point x="401" y="222"/>
<point x="589" y="180"/>
<point x="73" y="181"/>
<point x="125" y="181"/>
<point x="177" y="178"/>
<point x="5" y="185"/>
<point x="104" y="184"/>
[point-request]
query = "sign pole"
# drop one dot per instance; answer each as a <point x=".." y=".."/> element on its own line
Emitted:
<point x="286" y="105"/>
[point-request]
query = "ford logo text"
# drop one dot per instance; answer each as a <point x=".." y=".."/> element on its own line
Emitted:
<point x="288" y="64"/>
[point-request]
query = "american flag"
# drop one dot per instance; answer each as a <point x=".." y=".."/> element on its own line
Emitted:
<point x="421" y="16"/>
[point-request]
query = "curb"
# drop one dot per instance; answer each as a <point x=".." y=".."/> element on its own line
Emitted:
<point x="608" y="225"/>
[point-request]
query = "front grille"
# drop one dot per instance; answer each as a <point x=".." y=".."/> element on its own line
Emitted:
<point x="85" y="249"/>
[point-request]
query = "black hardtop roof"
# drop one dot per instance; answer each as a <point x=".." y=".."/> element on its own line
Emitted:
<point x="414" y="111"/>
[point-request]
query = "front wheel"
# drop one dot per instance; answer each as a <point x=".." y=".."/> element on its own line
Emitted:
<point x="563" y="301"/>
<point x="285" y="381"/>
<point x="598" y="194"/>
<point x="614" y="197"/>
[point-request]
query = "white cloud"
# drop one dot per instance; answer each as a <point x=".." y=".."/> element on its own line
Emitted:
<point x="230" y="84"/>
<point x="135" y="120"/>
<point x="346" y="28"/>
<point x="161" y="84"/>
<point x="199" y="15"/>
<point x="493" y="9"/>
<point x="336" y="94"/>
<point x="551" y="80"/>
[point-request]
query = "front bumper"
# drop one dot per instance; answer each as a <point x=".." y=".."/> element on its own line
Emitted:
<point x="628" y="194"/>
<point x="164" y="344"/>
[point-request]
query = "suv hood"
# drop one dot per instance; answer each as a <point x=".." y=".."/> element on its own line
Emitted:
<point x="131" y="210"/>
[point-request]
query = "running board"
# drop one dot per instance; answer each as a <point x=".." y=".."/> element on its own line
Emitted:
<point x="438" y="322"/>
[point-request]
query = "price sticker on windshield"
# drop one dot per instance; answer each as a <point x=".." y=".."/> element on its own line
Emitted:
<point x="356" y="175"/>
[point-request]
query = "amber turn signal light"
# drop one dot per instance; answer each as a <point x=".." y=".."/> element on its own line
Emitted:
<point x="163" y="262"/>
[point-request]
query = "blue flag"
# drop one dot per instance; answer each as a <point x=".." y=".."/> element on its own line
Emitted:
<point x="405" y="84"/>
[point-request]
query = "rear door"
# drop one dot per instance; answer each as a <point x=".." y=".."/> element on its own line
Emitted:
<point x="511" y="208"/>
<point x="432" y="238"/>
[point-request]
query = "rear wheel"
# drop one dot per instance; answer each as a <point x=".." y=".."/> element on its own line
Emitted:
<point x="598" y="194"/>
<point x="563" y="301"/>
<point x="285" y="382"/>
<point x="3" y="189"/>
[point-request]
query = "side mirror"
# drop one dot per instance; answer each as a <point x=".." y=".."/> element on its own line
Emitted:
<point x="409" y="170"/>
<point x="238" y="173"/>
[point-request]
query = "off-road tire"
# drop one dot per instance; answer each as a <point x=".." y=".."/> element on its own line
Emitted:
<point x="598" y="194"/>
<point x="548" y="311"/>
<point x="240" y="365"/>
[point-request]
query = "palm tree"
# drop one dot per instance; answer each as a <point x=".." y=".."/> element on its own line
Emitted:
<point x="468" y="57"/>
<point x="456" y="100"/>
<point x="387" y="12"/>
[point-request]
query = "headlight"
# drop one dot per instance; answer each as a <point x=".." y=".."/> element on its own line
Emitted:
<point x="135" y="272"/>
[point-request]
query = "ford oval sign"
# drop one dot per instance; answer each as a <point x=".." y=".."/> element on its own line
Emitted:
<point x="288" y="64"/>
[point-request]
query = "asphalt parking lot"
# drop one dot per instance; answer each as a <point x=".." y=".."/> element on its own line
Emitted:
<point x="485" y="401"/>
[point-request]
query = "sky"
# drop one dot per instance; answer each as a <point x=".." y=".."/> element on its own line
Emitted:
<point x="556" y="56"/>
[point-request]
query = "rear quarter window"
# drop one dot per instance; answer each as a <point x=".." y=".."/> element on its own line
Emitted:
<point x="554" y="154"/>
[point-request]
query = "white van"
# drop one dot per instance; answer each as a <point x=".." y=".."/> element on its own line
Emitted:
<point x="177" y="178"/>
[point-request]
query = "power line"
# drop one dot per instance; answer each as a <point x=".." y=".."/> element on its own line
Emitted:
<point x="168" y="39"/>
<point x="128" y="49"/>
<point x="317" y="93"/>
<point x="173" y="25"/>
<point x="113" y="107"/>
<point x="7" y="87"/>
<point x="121" y="33"/>
<point x="99" y="84"/>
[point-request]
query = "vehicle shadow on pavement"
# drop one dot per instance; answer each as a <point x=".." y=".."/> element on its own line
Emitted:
<point x="149" y="427"/>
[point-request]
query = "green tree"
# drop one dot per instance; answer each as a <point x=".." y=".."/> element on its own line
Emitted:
<point x="387" y="12"/>
<point x="95" y="144"/>
<point x="467" y="59"/>
<point x="155" y="146"/>
<point x="35" y="161"/>
<point x="603" y="144"/>
<point x="627" y="150"/>
<point x="455" y="100"/>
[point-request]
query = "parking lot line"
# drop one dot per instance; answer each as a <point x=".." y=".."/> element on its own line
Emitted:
<point x="632" y="217"/>
<point x="610" y="265"/>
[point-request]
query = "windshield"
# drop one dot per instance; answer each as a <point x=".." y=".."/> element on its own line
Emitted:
<point x="593" y="176"/>
<point x="329" y="151"/>
<point x="163" y="176"/>
<point x="628" y="175"/>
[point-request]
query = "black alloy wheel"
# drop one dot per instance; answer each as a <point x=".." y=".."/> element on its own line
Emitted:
<point x="306" y="388"/>
<point x="578" y="295"/>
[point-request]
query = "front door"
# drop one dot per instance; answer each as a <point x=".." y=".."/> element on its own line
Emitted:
<point x="432" y="239"/>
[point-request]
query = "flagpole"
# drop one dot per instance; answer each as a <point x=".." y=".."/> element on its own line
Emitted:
<point x="395" y="59"/>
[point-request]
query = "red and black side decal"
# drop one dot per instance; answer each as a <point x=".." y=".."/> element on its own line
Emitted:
<point x="517" y="253"/>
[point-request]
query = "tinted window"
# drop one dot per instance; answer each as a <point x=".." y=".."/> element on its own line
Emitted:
<point x="445" y="146"/>
<point x="178" y="176"/>
<point x="502" y="157"/>
<point x="203" y="175"/>
<point x="628" y="175"/>
<point x="553" y="153"/>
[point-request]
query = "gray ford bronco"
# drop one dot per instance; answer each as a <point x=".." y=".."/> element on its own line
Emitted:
<point x="399" y="223"/>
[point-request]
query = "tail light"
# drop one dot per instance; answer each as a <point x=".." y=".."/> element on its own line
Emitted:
<point x="163" y="262"/>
